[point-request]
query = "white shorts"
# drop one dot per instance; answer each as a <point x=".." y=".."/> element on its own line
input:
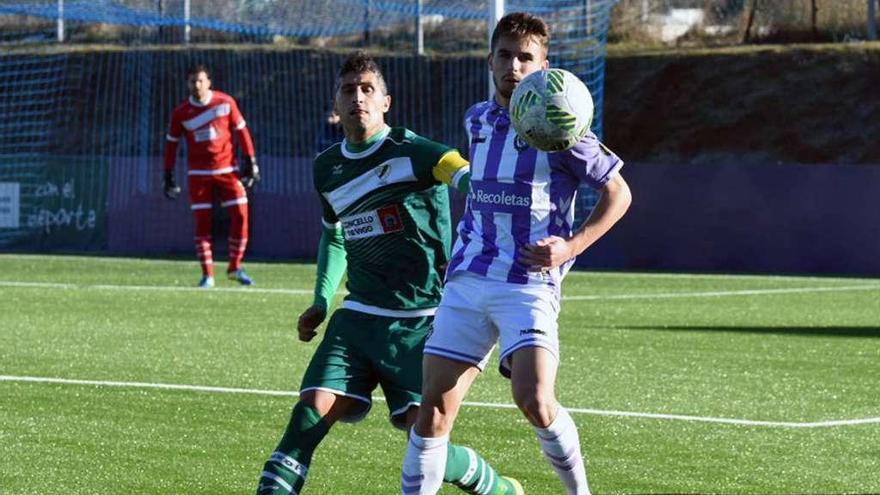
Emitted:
<point x="476" y="312"/>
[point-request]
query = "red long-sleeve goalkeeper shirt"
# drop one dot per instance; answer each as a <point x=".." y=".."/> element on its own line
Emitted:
<point x="208" y="129"/>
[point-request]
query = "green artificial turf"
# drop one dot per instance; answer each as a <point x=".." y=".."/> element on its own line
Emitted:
<point x="678" y="383"/>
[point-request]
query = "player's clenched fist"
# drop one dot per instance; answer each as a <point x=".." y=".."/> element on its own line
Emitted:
<point x="309" y="321"/>
<point x="169" y="187"/>
<point x="250" y="172"/>
<point x="545" y="254"/>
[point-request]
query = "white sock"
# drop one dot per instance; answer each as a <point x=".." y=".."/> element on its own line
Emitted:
<point x="424" y="465"/>
<point x="562" y="448"/>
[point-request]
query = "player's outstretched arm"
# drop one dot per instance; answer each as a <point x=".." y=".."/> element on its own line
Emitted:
<point x="553" y="251"/>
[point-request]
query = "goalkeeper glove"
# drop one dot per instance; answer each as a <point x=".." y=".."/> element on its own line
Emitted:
<point x="249" y="172"/>
<point x="169" y="186"/>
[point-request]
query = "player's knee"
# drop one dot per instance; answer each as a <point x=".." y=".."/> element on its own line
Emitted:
<point x="538" y="407"/>
<point x="432" y="421"/>
<point x="330" y="407"/>
<point x="319" y="402"/>
<point x="410" y="417"/>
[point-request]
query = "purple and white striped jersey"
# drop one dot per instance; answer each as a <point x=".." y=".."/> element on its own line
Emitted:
<point x="519" y="195"/>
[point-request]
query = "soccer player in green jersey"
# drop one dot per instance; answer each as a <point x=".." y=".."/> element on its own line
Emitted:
<point x="386" y="217"/>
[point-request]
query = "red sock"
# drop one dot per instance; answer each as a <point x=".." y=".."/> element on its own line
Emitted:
<point x="238" y="235"/>
<point x="203" y="241"/>
<point x="206" y="257"/>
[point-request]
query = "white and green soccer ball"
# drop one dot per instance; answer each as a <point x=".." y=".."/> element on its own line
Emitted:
<point x="551" y="110"/>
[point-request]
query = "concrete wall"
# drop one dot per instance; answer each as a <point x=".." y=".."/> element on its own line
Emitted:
<point x="822" y="219"/>
<point x="747" y="218"/>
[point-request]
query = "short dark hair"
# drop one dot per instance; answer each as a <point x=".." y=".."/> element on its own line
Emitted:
<point x="521" y="25"/>
<point x="358" y="63"/>
<point x="196" y="68"/>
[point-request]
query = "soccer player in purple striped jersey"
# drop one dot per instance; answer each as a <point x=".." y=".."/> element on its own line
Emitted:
<point x="515" y="244"/>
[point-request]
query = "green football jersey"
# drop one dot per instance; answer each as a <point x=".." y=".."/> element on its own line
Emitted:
<point x="394" y="215"/>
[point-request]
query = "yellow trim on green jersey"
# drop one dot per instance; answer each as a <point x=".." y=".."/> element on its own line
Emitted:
<point x="451" y="168"/>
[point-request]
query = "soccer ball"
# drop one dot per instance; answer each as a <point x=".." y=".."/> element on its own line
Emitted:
<point x="551" y="110"/>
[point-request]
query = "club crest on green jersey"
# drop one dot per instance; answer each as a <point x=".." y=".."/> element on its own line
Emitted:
<point x="382" y="172"/>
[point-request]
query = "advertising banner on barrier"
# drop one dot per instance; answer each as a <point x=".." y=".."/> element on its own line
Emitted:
<point x="10" y="212"/>
<point x="53" y="203"/>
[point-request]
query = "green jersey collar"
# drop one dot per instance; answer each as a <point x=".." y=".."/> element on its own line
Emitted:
<point x="355" y="151"/>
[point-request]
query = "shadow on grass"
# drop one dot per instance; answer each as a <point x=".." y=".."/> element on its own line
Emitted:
<point x="824" y="331"/>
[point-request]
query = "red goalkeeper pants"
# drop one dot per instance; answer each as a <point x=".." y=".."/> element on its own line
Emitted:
<point x="202" y="190"/>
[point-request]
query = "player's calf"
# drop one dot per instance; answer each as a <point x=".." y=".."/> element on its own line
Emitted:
<point x="431" y="461"/>
<point x="423" y="465"/>
<point x="467" y="470"/>
<point x="286" y="470"/>
<point x="561" y="446"/>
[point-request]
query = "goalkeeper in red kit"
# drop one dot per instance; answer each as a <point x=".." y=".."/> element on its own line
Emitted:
<point x="207" y="120"/>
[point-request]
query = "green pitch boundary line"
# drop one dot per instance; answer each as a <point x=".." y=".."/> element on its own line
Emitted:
<point x="597" y="297"/>
<point x="487" y="405"/>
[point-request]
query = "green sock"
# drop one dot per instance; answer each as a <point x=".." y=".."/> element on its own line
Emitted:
<point x="285" y="471"/>
<point x="470" y="472"/>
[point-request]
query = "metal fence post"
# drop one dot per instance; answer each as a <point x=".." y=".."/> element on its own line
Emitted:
<point x="496" y="12"/>
<point x="187" y="15"/>
<point x="872" y="19"/>
<point x="366" y="23"/>
<point x="420" y="32"/>
<point x="588" y="9"/>
<point x="60" y="22"/>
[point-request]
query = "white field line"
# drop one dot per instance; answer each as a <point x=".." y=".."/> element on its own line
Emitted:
<point x="724" y="293"/>
<point x="50" y="285"/>
<point x="715" y="276"/>
<point x="73" y="258"/>
<point x="487" y="405"/>
<point x="595" y="297"/>
<point x="572" y="273"/>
